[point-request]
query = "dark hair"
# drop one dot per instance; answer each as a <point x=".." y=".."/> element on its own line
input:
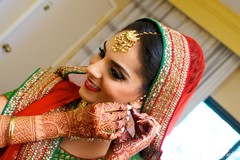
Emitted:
<point x="150" y="52"/>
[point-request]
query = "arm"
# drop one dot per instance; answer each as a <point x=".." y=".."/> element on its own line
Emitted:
<point x="4" y="126"/>
<point x="101" y="120"/>
<point x="4" y="123"/>
<point x="3" y="102"/>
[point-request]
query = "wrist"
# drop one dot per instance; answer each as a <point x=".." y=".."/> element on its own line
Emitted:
<point x="22" y="130"/>
<point x="11" y="129"/>
<point x="53" y="125"/>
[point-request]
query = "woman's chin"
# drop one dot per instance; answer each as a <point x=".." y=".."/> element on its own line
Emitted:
<point x="86" y="95"/>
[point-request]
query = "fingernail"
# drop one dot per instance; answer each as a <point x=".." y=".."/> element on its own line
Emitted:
<point x="129" y="107"/>
<point x="128" y="113"/>
<point x="123" y="129"/>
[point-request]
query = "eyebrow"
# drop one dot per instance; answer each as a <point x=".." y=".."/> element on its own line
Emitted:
<point x="120" y="67"/>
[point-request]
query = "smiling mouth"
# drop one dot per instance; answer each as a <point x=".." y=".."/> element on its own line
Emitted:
<point x="91" y="86"/>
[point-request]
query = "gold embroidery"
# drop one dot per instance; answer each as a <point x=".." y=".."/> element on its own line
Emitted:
<point x="64" y="70"/>
<point x="42" y="81"/>
<point x="168" y="87"/>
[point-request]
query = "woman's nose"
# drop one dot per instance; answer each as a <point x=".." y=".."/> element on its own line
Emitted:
<point x="94" y="70"/>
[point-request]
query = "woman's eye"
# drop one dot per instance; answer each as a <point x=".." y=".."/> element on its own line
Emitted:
<point x="116" y="74"/>
<point x="101" y="52"/>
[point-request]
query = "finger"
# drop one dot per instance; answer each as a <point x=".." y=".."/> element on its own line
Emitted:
<point x="109" y="127"/>
<point x="116" y="116"/>
<point x="112" y="127"/>
<point x="142" y="127"/>
<point x="149" y="125"/>
<point x="124" y="137"/>
<point x="114" y="106"/>
<point x="121" y="123"/>
<point x="134" y="111"/>
<point x="138" y="130"/>
<point x="137" y="116"/>
<point x="108" y="136"/>
<point x="112" y="135"/>
<point x="146" y="123"/>
<point x="113" y="116"/>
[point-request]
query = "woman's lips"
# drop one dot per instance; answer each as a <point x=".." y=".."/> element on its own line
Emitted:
<point x="91" y="86"/>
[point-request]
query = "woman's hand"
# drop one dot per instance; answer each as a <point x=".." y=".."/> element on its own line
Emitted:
<point x="127" y="146"/>
<point x="101" y="120"/>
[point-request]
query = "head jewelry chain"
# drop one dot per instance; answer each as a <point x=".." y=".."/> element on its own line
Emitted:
<point x="127" y="39"/>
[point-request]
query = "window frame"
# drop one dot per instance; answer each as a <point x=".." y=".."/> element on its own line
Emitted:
<point x="226" y="116"/>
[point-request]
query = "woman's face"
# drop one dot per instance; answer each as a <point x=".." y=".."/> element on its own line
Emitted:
<point x="113" y="76"/>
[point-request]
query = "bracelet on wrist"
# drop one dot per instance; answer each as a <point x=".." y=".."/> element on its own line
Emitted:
<point x="11" y="129"/>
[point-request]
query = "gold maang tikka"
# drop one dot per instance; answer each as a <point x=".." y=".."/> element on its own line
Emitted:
<point x="127" y="39"/>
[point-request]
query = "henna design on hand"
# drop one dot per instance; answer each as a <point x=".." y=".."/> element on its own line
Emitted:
<point x="126" y="146"/>
<point x="100" y="120"/>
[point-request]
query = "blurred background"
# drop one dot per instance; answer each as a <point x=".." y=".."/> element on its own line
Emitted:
<point x="50" y="33"/>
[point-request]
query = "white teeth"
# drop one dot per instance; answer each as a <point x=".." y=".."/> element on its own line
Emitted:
<point x="93" y="85"/>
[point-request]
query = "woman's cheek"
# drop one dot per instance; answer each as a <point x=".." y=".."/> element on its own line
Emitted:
<point x="118" y="94"/>
<point x="110" y="90"/>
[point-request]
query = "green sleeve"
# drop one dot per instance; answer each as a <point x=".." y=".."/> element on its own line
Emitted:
<point x="9" y="94"/>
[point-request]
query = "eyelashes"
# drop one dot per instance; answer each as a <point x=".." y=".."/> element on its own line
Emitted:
<point x="117" y="74"/>
<point x="101" y="52"/>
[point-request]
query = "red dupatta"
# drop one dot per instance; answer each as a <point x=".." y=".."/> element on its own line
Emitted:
<point x="181" y="69"/>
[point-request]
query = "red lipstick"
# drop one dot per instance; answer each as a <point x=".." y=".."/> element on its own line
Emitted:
<point x="91" y="86"/>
